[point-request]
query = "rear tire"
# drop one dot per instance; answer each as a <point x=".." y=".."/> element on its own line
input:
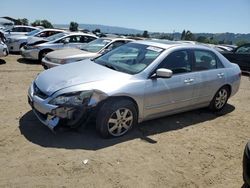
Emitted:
<point x="220" y="99"/>
<point x="116" y="117"/>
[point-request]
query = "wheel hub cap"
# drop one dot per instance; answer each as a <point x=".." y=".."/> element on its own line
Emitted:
<point x="120" y="122"/>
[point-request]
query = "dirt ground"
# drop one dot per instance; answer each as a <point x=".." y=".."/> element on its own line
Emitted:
<point x="193" y="149"/>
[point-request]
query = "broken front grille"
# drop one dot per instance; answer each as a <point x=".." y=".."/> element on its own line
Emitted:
<point x="39" y="93"/>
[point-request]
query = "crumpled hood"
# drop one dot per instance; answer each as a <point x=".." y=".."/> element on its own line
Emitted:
<point x="32" y="40"/>
<point x="82" y="72"/>
<point x="69" y="53"/>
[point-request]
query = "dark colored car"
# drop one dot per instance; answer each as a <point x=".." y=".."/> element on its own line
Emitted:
<point x="240" y="56"/>
<point x="246" y="166"/>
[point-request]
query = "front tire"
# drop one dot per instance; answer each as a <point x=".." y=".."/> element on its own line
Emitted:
<point x="116" y="117"/>
<point x="43" y="53"/>
<point x="220" y="99"/>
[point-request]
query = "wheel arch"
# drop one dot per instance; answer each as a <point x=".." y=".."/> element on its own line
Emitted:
<point x="22" y="44"/>
<point x="120" y="98"/>
<point x="229" y="88"/>
<point x="44" y="50"/>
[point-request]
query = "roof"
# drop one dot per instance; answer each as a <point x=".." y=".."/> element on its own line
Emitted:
<point x="81" y="33"/>
<point x="117" y="38"/>
<point x="165" y="44"/>
<point x="26" y="26"/>
<point x="50" y="29"/>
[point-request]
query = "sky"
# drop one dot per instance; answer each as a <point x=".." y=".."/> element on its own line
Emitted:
<point x="210" y="16"/>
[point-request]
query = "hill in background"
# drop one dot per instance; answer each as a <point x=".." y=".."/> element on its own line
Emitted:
<point x="226" y="37"/>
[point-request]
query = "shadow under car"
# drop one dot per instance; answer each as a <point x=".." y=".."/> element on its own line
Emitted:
<point x="88" y="139"/>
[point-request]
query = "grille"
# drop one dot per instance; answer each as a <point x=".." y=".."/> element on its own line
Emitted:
<point x="39" y="93"/>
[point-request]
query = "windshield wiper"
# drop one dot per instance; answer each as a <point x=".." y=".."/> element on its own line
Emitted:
<point x="111" y="67"/>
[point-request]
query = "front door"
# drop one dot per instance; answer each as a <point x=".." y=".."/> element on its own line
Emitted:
<point x="163" y="95"/>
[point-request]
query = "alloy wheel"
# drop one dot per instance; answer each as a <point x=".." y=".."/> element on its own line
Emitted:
<point x="120" y="121"/>
<point x="221" y="98"/>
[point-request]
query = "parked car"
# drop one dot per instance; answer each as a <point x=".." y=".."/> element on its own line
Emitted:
<point x="72" y="40"/>
<point x="19" y="30"/>
<point x="135" y="82"/>
<point x="90" y="50"/>
<point x="240" y="56"/>
<point x="32" y="41"/>
<point x="225" y="47"/>
<point x="16" y="42"/>
<point x="3" y="49"/>
<point x="246" y="166"/>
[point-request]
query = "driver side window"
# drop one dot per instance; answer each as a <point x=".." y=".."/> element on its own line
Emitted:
<point x="178" y="62"/>
<point x="64" y="40"/>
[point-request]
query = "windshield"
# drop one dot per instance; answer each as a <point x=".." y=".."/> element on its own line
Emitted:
<point x="33" y="32"/>
<point x="96" y="45"/>
<point x="56" y="36"/>
<point x="130" y="58"/>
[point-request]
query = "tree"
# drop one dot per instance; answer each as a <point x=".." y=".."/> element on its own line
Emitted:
<point x="73" y="26"/>
<point x="44" y="23"/>
<point x="187" y="35"/>
<point x="183" y="34"/>
<point x="22" y="21"/>
<point x="241" y="42"/>
<point x="202" y="39"/>
<point x="145" y="34"/>
<point x="97" y="30"/>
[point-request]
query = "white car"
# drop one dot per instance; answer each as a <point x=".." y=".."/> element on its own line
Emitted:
<point x="16" y="42"/>
<point x="3" y="49"/>
<point x="36" y="51"/>
<point x="90" y="50"/>
<point x="19" y="30"/>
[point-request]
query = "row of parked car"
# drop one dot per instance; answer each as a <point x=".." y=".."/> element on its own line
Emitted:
<point x="121" y="82"/>
<point x="35" y="42"/>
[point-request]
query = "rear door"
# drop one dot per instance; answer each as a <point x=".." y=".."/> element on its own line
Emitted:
<point x="212" y="74"/>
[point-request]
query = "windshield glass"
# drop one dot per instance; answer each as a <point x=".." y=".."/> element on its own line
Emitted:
<point x="96" y="45"/>
<point x="130" y="58"/>
<point x="33" y="32"/>
<point x="56" y="36"/>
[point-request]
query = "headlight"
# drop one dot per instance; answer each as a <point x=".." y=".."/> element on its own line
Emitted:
<point x="76" y="98"/>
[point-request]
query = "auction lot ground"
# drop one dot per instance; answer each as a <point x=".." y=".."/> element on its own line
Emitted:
<point x="193" y="149"/>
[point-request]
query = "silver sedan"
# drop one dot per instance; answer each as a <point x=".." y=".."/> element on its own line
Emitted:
<point x="36" y="51"/>
<point x="16" y="42"/>
<point x="135" y="82"/>
<point x="93" y="49"/>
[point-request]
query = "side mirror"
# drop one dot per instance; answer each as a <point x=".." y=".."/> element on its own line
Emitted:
<point x="163" y="73"/>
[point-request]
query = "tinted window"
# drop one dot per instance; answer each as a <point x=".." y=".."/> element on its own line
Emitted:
<point x="243" y="49"/>
<point x="115" y="44"/>
<point x="16" y="29"/>
<point x="178" y="62"/>
<point x="28" y="29"/>
<point x="205" y="60"/>
<point x="86" y="39"/>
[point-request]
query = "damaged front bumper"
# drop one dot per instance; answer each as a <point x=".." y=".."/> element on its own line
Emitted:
<point x="51" y="115"/>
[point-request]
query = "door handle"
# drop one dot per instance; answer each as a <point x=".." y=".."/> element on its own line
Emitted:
<point x="220" y="75"/>
<point x="188" y="81"/>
